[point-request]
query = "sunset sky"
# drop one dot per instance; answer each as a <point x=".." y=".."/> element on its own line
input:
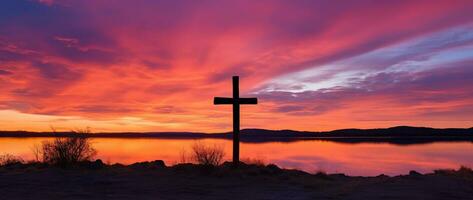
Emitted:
<point x="152" y="65"/>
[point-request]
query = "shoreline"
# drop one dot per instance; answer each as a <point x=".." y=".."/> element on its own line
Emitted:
<point x="151" y="180"/>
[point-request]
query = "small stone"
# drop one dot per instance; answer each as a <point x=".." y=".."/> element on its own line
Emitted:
<point x="414" y="173"/>
<point x="158" y="164"/>
<point x="97" y="164"/>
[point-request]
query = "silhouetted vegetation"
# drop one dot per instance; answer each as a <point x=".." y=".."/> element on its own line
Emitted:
<point x="462" y="171"/>
<point x="210" y="155"/>
<point x="184" y="158"/>
<point x="66" y="151"/>
<point x="254" y="161"/>
<point x="7" y="159"/>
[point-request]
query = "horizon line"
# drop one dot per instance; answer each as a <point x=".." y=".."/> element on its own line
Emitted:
<point x="197" y="132"/>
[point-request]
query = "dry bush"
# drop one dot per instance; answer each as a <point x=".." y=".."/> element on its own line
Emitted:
<point x="210" y="155"/>
<point x="66" y="151"/>
<point x="8" y="159"/>
<point x="465" y="169"/>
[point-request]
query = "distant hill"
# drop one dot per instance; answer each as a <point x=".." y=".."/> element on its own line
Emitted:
<point x="398" y="131"/>
<point x="399" y="134"/>
<point x="396" y="135"/>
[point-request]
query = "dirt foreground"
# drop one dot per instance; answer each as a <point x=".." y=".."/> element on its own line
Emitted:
<point x="153" y="180"/>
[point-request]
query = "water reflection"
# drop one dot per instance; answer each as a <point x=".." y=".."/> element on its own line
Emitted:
<point x="353" y="159"/>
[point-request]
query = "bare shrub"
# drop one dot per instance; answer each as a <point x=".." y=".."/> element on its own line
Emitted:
<point x="210" y="155"/>
<point x="8" y="159"/>
<point x="66" y="151"/>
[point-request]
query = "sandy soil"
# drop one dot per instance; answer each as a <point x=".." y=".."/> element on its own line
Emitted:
<point x="187" y="181"/>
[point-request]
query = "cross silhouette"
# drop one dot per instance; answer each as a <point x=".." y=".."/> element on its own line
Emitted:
<point x="235" y="101"/>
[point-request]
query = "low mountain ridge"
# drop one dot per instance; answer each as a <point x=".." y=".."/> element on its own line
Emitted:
<point x="400" y="135"/>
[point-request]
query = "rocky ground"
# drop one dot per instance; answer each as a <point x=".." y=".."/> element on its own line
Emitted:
<point x="153" y="180"/>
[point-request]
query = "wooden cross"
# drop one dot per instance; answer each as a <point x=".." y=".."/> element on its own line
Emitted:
<point x="235" y="101"/>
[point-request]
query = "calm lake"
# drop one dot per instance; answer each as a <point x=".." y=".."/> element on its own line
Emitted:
<point x="364" y="159"/>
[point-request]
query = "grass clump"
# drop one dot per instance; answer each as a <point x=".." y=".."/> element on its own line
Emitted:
<point x="254" y="161"/>
<point x="8" y="159"/>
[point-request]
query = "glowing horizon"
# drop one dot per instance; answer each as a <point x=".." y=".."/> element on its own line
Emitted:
<point x="156" y="65"/>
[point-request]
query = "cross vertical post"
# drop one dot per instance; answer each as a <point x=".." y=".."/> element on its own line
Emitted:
<point x="235" y="100"/>
<point x="236" y="120"/>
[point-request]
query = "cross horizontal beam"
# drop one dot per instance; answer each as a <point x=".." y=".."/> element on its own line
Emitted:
<point x="226" y="100"/>
<point x="222" y="100"/>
